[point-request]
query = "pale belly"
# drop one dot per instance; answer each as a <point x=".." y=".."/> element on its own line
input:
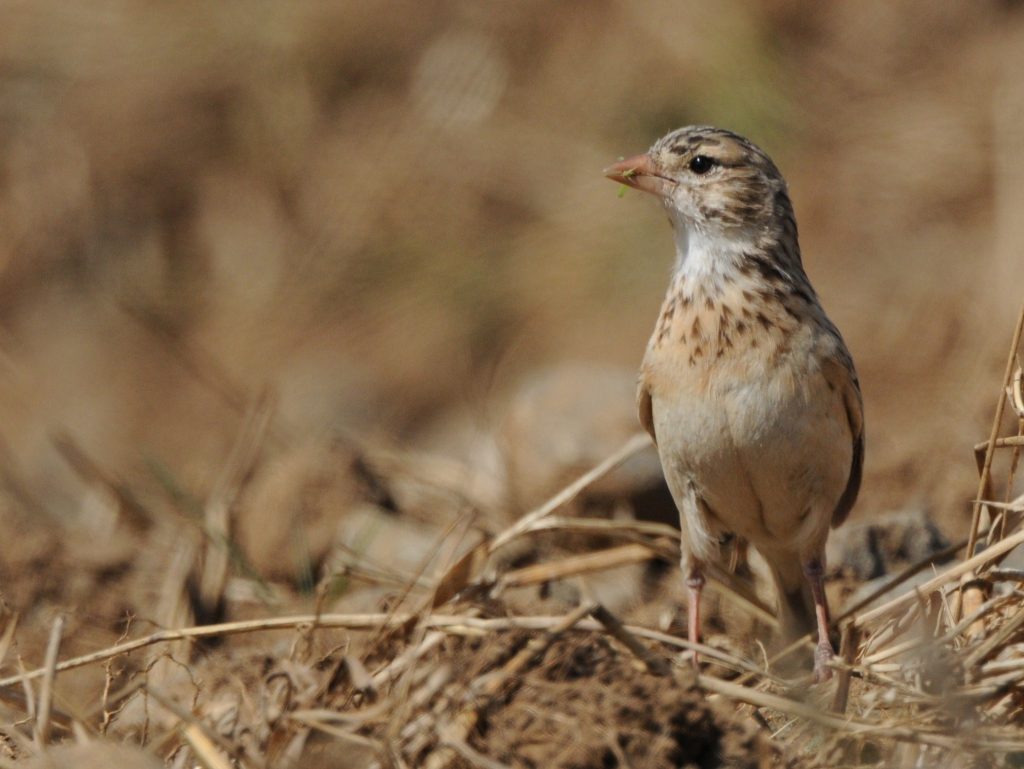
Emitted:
<point x="769" y="456"/>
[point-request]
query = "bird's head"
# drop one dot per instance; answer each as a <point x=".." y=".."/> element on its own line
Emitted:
<point x="710" y="180"/>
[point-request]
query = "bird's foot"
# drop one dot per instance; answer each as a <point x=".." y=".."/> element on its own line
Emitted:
<point x="823" y="655"/>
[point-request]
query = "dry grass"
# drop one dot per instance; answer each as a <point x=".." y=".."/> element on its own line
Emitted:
<point x="933" y="675"/>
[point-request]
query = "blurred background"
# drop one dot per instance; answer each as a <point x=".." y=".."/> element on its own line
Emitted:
<point x="390" y="219"/>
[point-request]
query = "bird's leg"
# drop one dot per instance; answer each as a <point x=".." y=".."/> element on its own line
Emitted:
<point x="694" y="586"/>
<point x="815" y="574"/>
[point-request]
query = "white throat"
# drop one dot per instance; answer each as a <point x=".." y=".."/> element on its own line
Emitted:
<point x="707" y="258"/>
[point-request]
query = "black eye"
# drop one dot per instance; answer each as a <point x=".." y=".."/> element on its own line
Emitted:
<point x="701" y="164"/>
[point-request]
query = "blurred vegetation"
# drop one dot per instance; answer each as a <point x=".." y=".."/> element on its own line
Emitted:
<point x="389" y="212"/>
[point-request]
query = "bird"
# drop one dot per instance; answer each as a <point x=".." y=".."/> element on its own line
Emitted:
<point x="746" y="386"/>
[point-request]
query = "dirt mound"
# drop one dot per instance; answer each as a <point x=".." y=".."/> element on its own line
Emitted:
<point x="587" y="705"/>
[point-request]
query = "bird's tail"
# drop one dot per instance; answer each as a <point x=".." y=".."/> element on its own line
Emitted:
<point x="796" y="604"/>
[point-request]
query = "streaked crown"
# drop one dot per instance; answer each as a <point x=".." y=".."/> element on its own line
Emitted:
<point x="721" y="179"/>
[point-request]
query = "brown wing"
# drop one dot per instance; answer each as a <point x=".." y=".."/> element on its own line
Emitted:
<point x="645" y="410"/>
<point x="841" y="376"/>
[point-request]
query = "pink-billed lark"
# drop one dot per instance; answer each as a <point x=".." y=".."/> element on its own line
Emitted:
<point x="746" y="387"/>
